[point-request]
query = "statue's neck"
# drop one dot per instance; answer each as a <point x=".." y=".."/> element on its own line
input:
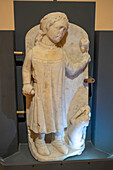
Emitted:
<point x="45" y="40"/>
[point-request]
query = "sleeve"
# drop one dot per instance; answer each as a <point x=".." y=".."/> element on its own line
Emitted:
<point x="26" y="71"/>
<point x="76" y="68"/>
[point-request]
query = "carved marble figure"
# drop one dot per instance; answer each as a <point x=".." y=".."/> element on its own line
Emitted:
<point x="44" y="85"/>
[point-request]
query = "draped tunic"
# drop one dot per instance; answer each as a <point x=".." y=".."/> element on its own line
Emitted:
<point x="47" y="65"/>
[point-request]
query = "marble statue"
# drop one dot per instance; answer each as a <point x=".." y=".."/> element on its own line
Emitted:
<point x="56" y="55"/>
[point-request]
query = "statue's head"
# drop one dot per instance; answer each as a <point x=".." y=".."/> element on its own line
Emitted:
<point x="55" y="26"/>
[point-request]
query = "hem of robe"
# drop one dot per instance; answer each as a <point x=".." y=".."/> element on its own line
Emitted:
<point x="36" y="130"/>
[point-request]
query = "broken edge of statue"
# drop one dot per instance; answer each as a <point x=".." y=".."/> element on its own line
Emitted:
<point x="76" y="108"/>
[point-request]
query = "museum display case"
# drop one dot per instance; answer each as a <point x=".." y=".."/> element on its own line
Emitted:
<point x="14" y="150"/>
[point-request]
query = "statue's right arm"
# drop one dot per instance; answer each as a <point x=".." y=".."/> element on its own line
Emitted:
<point x="26" y="73"/>
<point x="78" y="67"/>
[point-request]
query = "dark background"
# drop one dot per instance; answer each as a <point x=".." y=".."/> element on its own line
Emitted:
<point x="8" y="117"/>
<point x="102" y="110"/>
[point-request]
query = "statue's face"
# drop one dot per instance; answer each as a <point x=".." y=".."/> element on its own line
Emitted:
<point x="57" y="31"/>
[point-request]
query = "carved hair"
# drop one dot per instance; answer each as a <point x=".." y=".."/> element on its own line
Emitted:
<point x="47" y="21"/>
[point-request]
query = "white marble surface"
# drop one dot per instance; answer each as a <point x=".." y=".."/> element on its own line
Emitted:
<point x="74" y="47"/>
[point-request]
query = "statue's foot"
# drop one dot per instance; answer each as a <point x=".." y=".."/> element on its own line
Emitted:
<point x="42" y="147"/>
<point x="60" y="146"/>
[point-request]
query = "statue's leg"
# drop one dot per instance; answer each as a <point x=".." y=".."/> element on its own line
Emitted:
<point x="58" y="142"/>
<point x="41" y="145"/>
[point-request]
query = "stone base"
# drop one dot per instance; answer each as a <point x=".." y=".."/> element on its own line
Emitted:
<point x="55" y="155"/>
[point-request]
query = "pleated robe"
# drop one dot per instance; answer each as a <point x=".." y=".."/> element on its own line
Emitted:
<point x="48" y="65"/>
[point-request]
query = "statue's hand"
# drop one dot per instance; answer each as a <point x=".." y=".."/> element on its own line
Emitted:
<point x="28" y="89"/>
<point x="86" y="57"/>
